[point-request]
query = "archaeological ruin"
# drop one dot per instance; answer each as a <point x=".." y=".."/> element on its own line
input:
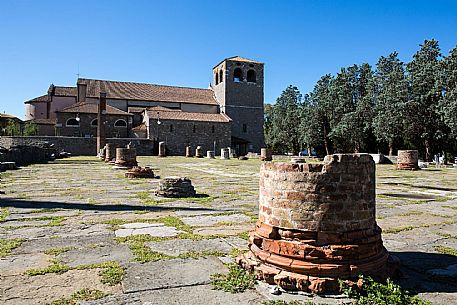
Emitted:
<point x="408" y="160"/>
<point x="317" y="225"/>
<point x="175" y="187"/>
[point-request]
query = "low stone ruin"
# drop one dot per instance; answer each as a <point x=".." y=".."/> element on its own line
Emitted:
<point x="265" y="154"/>
<point x="298" y="160"/>
<point x="408" y="160"/>
<point x="126" y="157"/>
<point x="199" y="152"/>
<point x="162" y="149"/>
<point x="139" y="172"/>
<point x="110" y="152"/>
<point x="188" y="151"/>
<point x="317" y="225"/>
<point x="225" y="153"/>
<point x="28" y="154"/>
<point x="175" y="187"/>
<point x="210" y="154"/>
<point x="4" y="166"/>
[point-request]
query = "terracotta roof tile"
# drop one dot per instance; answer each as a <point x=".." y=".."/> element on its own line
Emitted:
<point x="148" y="92"/>
<point x="171" y="114"/>
<point x="8" y="116"/>
<point x="92" y="108"/>
<point x="65" y="91"/>
<point x="43" y="98"/>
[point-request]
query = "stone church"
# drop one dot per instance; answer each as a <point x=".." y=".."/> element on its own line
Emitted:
<point x="228" y="113"/>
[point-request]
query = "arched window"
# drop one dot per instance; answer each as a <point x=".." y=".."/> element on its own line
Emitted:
<point x="171" y="127"/>
<point x="251" y="76"/>
<point x="94" y="123"/>
<point x="213" y="129"/>
<point x="194" y="129"/>
<point x="216" y="78"/>
<point x="237" y="75"/>
<point x="221" y="76"/>
<point x="120" y="123"/>
<point x="72" y="122"/>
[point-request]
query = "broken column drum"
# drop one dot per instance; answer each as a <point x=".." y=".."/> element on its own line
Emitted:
<point x="126" y="157"/>
<point x="110" y="152"/>
<point x="176" y="187"/>
<point x="188" y="151"/>
<point x="210" y="154"/>
<point x="162" y="149"/>
<point x="199" y="152"/>
<point x="265" y="154"/>
<point x="139" y="172"/>
<point x="408" y="160"/>
<point x="317" y="225"/>
<point x="225" y="153"/>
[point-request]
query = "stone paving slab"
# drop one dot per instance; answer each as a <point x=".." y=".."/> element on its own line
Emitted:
<point x="61" y="231"/>
<point x="43" y="289"/>
<point x="43" y="244"/>
<point x="17" y="264"/>
<point x="96" y="255"/>
<point x="153" y="229"/>
<point x="173" y="248"/>
<point x="208" y="220"/>
<point x="170" y="273"/>
<point x="200" y="294"/>
<point x="224" y="230"/>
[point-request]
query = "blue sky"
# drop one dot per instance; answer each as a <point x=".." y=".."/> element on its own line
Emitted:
<point x="178" y="42"/>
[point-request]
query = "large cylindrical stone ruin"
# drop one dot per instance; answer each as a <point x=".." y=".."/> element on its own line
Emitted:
<point x="139" y="172"/>
<point x="126" y="157"/>
<point x="408" y="160"/>
<point x="162" y="149"/>
<point x="265" y="154"/>
<point x="317" y="225"/>
<point x="110" y="152"/>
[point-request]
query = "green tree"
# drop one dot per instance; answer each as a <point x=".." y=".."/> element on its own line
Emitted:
<point x="12" y="128"/>
<point x="391" y="89"/>
<point x="423" y="122"/>
<point x="285" y="121"/>
<point x="30" y="129"/>
<point x="353" y="102"/>
<point x="319" y="115"/>
<point x="448" y="107"/>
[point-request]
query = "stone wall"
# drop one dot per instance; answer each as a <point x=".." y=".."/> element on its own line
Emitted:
<point x="178" y="134"/>
<point x="78" y="145"/>
<point x="85" y="128"/>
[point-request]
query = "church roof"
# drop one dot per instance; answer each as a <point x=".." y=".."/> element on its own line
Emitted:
<point x="148" y="92"/>
<point x="65" y="91"/>
<point x="92" y="108"/>
<point x="42" y="98"/>
<point x="239" y="58"/>
<point x="174" y="114"/>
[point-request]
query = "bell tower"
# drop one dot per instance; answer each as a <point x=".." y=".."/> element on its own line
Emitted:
<point x="238" y="87"/>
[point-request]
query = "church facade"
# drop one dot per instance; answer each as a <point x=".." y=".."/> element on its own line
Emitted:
<point x="228" y="113"/>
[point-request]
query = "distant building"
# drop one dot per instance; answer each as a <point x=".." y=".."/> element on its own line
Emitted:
<point x="228" y="113"/>
<point x="4" y="120"/>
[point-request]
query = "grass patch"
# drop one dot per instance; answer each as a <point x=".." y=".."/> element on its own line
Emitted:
<point x="380" y="294"/>
<point x="201" y="200"/>
<point x="7" y="245"/>
<point x="4" y="212"/>
<point x="447" y="235"/>
<point x="53" y="268"/>
<point x="111" y="274"/>
<point x="446" y="250"/>
<point x="85" y="294"/>
<point x="57" y="251"/>
<point x="236" y="280"/>
<point x="449" y="207"/>
<point x="411" y="213"/>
